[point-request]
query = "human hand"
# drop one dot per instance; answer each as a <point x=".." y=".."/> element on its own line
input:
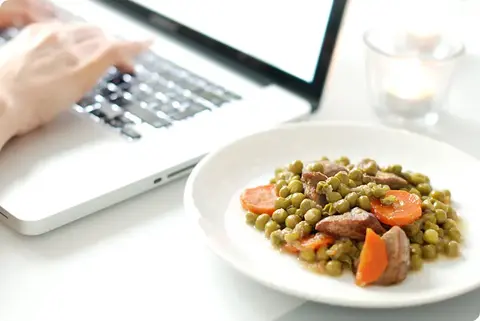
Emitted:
<point x="17" y="13"/>
<point x="50" y="66"/>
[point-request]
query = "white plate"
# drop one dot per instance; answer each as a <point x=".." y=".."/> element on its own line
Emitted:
<point x="212" y="197"/>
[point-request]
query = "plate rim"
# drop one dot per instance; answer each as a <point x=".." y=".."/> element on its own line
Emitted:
<point x="193" y="212"/>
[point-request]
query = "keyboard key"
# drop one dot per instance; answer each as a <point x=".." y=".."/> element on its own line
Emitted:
<point x="106" y="111"/>
<point x="232" y="96"/>
<point x="165" y="108"/>
<point x="188" y="112"/>
<point x="147" y="116"/>
<point x="120" y="99"/>
<point x="109" y="90"/>
<point x="120" y="78"/>
<point x="130" y="132"/>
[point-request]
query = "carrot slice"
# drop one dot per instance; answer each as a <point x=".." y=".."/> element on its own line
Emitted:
<point x="317" y="241"/>
<point x="405" y="210"/>
<point x="260" y="199"/>
<point x="373" y="259"/>
<point x="290" y="248"/>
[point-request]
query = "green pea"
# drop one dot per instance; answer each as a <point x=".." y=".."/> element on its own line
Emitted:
<point x="316" y="167"/>
<point x="295" y="178"/>
<point x="280" y="216"/>
<point x="417" y="238"/>
<point x="449" y="224"/>
<point x="296" y="167"/>
<point x="415" y="191"/>
<point x="292" y="220"/>
<point x="452" y="249"/>
<point x="370" y="168"/>
<point x="411" y="229"/>
<point x="303" y="229"/>
<point x="351" y="198"/>
<point x="329" y="209"/>
<point x="424" y="188"/>
<point x="416" y="262"/>
<point x="270" y="227"/>
<point x="291" y="237"/>
<point x="297" y="199"/>
<point x="322" y="254"/>
<point x="429" y="217"/>
<point x="351" y="183"/>
<point x="295" y="186"/>
<point x="440" y="196"/>
<point x="388" y="200"/>
<point x="430" y="236"/>
<point x="451" y="213"/>
<point x="323" y="187"/>
<point x="429" y="252"/>
<point x="262" y="221"/>
<point x="415" y="249"/>
<point x="291" y="210"/>
<point x="324" y="158"/>
<point x="417" y="178"/>
<point x="342" y="177"/>
<point x="300" y="213"/>
<point x="427" y="205"/>
<point x="379" y="191"/>
<point x="250" y="217"/>
<point x="279" y="170"/>
<point x="277" y="238"/>
<point x="355" y="174"/>
<point x="344" y="160"/>
<point x="454" y="234"/>
<point x="343" y="190"/>
<point x="313" y="216"/>
<point x="281" y="202"/>
<point x="334" y="268"/>
<point x="440" y="246"/>
<point x="364" y="203"/>
<point x="333" y="197"/>
<point x="440" y="206"/>
<point x="441" y="216"/>
<point x="342" y="206"/>
<point x="307" y="204"/>
<point x="307" y="255"/>
<point x="280" y="183"/>
<point x="284" y="192"/>
<point x="432" y="226"/>
<point x="334" y="182"/>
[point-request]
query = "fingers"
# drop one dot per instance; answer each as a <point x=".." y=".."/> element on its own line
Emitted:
<point x="18" y="13"/>
<point x="124" y="52"/>
<point x="106" y="54"/>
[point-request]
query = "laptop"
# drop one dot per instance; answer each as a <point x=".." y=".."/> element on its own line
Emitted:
<point x="218" y="70"/>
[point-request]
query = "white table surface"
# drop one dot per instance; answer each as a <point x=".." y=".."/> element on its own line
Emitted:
<point x="139" y="261"/>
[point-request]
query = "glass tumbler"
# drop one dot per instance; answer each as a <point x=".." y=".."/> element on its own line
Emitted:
<point x="409" y="74"/>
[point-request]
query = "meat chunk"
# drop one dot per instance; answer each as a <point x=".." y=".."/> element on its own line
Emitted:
<point x="390" y="179"/>
<point x="352" y="224"/>
<point x="310" y="181"/>
<point x="398" y="251"/>
<point x="331" y="168"/>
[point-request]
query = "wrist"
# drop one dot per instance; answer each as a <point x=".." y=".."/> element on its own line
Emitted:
<point x="7" y="129"/>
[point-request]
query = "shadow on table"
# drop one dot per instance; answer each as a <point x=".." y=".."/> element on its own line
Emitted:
<point x="463" y="308"/>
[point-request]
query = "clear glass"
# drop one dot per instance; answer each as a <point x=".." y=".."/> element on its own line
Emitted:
<point x="409" y="74"/>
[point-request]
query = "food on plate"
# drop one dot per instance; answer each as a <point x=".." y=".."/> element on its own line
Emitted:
<point x="380" y="223"/>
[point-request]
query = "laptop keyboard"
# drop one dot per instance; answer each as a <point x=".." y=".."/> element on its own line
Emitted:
<point x="159" y="93"/>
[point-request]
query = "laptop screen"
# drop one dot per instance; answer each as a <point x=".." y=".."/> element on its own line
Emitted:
<point x="288" y="35"/>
